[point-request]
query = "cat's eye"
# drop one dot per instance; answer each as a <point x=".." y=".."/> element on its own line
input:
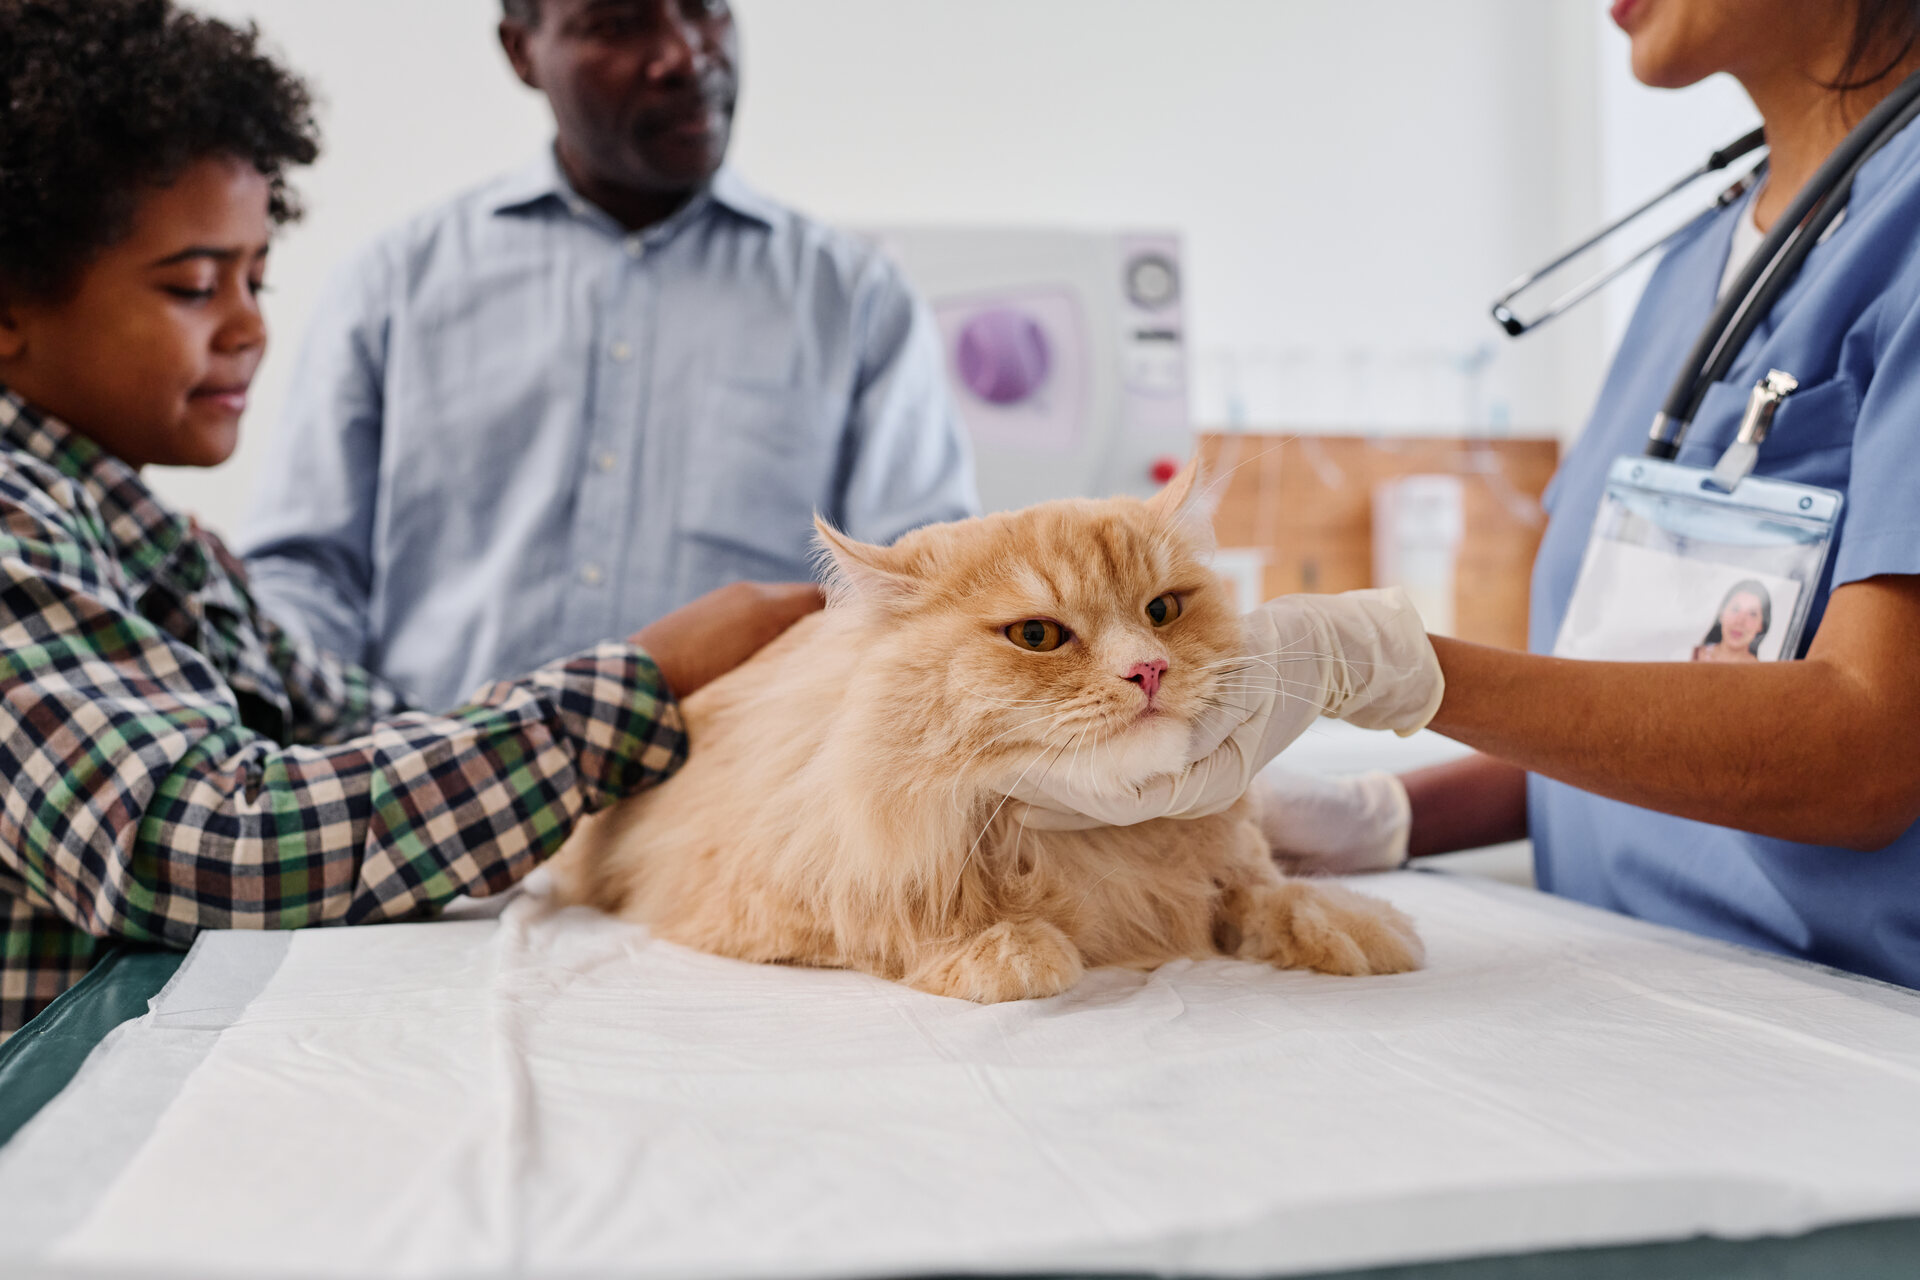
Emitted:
<point x="1163" y="609"/>
<point x="1040" y="635"/>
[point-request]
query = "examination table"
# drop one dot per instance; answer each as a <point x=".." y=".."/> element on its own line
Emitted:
<point x="1559" y="1093"/>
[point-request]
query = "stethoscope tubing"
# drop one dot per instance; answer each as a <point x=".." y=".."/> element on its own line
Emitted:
<point x="1775" y="263"/>
<point x="1503" y="312"/>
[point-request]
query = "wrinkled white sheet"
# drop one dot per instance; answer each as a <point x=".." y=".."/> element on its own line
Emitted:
<point x="556" y="1093"/>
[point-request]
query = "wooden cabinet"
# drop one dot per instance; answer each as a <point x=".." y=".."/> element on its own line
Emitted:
<point x="1306" y="502"/>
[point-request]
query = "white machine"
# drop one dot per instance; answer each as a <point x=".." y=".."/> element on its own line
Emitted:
<point x="1066" y="352"/>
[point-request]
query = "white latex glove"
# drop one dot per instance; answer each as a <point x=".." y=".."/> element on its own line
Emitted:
<point x="1334" y="826"/>
<point x="1361" y="656"/>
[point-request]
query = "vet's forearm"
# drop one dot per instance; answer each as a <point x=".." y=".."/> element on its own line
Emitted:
<point x="1797" y="750"/>
<point x="1465" y="804"/>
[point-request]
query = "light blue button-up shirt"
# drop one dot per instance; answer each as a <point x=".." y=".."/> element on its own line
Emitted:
<point x="517" y="429"/>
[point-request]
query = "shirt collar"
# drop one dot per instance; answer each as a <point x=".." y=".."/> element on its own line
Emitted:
<point x="541" y="180"/>
<point x="152" y="542"/>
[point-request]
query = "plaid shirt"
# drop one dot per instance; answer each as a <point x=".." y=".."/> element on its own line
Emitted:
<point x="173" y="761"/>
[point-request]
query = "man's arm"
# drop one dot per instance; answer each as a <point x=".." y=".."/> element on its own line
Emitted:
<point x="907" y="463"/>
<point x="308" y="534"/>
<point x="1823" y="751"/>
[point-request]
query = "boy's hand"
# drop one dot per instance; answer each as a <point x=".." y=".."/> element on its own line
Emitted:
<point x="722" y="629"/>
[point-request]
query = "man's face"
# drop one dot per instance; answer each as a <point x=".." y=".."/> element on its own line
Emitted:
<point x="642" y="91"/>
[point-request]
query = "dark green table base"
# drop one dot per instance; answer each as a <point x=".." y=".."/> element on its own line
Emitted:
<point x="46" y="1053"/>
<point x="39" y="1061"/>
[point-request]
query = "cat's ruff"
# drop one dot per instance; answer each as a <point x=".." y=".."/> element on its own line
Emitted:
<point x="844" y="801"/>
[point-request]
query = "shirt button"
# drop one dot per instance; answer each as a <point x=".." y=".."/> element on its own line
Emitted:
<point x="590" y="574"/>
<point x="621" y="352"/>
<point x="636" y="247"/>
<point x="605" y="462"/>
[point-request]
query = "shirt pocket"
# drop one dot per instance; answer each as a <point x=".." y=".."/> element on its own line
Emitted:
<point x="757" y="468"/>
<point x="1811" y="441"/>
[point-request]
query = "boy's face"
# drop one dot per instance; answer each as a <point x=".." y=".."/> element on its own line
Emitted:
<point x="152" y="350"/>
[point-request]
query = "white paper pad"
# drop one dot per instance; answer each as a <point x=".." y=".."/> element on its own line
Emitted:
<point x="555" y="1093"/>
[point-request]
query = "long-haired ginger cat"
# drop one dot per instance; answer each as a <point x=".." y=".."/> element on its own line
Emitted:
<point x="844" y="802"/>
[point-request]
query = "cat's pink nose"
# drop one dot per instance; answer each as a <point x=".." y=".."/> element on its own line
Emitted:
<point x="1147" y="675"/>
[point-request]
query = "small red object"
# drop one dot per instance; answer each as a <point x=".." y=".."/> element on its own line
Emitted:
<point x="1164" y="469"/>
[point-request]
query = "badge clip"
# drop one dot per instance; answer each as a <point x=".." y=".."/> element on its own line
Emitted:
<point x="1736" y="464"/>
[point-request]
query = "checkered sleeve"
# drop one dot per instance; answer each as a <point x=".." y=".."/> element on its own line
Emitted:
<point x="138" y="805"/>
<point x="332" y="700"/>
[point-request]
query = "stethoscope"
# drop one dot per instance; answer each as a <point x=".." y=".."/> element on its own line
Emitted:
<point x="1761" y="281"/>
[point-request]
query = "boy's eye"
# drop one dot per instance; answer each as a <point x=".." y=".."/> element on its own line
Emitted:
<point x="189" y="295"/>
<point x="1038" y="635"/>
<point x="1163" y="609"/>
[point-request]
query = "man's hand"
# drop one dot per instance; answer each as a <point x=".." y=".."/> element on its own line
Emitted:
<point x="704" y="640"/>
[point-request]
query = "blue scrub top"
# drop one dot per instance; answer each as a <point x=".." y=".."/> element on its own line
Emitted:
<point x="1849" y="330"/>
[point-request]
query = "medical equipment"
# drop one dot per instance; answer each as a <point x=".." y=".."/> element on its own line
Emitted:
<point x="1767" y="274"/>
<point x="1503" y="312"/>
<point x="1065" y="351"/>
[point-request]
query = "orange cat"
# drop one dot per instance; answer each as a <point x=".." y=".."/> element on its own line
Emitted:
<point x="845" y="801"/>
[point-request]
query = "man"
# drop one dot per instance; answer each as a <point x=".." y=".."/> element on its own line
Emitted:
<point x="566" y="403"/>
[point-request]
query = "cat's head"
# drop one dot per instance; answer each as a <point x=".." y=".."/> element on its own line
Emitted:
<point x="1075" y="635"/>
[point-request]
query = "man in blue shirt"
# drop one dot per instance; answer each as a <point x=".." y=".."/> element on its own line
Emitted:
<point x="576" y="398"/>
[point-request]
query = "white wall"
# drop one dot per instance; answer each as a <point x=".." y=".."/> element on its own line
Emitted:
<point x="417" y="103"/>
<point x="1648" y="138"/>
<point x="1354" y="180"/>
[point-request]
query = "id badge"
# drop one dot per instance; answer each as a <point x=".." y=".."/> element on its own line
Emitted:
<point x="1680" y="570"/>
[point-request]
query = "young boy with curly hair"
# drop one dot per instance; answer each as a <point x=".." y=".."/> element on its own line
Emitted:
<point x="170" y="759"/>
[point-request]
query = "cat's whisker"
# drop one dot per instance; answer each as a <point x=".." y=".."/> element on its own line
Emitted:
<point x="1298" y="688"/>
<point x="1264" y="688"/>
<point x="1021" y="838"/>
<point x="1313" y="691"/>
<point x="1296" y="651"/>
<point x="1095" y="885"/>
<point x="960" y="772"/>
<point x="965" y="862"/>
<point x="1016" y="702"/>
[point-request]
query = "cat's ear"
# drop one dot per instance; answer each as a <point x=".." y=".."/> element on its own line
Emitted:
<point x="1187" y="505"/>
<point x="860" y="570"/>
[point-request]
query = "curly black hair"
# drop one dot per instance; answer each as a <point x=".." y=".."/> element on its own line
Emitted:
<point x="102" y="99"/>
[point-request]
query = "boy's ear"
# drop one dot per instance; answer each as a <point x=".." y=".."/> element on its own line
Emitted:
<point x="1187" y="505"/>
<point x="860" y="570"/>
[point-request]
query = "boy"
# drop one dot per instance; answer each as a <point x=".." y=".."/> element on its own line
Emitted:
<point x="170" y="759"/>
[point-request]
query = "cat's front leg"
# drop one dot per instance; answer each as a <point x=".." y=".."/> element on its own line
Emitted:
<point x="1298" y="924"/>
<point x="1012" y="960"/>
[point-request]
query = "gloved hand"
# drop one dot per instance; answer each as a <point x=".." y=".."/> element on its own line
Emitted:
<point x="1336" y="826"/>
<point x="1362" y="656"/>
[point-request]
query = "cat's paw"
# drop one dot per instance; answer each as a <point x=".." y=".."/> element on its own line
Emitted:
<point x="1328" y="928"/>
<point x="1012" y="960"/>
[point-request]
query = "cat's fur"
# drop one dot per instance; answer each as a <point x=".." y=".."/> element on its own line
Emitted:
<point x="844" y="802"/>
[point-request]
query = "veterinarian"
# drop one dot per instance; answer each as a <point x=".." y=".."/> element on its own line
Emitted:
<point x="1770" y="803"/>
<point x="557" y="407"/>
<point x="171" y="759"/>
